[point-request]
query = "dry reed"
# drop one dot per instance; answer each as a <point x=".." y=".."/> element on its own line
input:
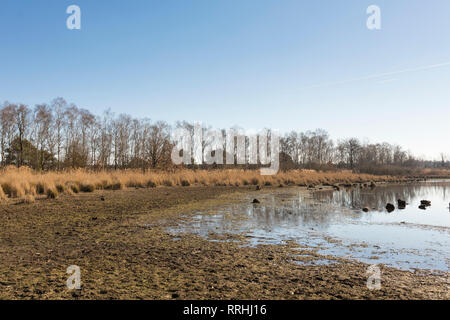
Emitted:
<point x="23" y="182"/>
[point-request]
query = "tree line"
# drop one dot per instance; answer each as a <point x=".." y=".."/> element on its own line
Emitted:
<point x="61" y="135"/>
<point x="316" y="150"/>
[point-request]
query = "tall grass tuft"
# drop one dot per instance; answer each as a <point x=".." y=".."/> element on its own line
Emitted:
<point x="28" y="199"/>
<point x="3" y="196"/>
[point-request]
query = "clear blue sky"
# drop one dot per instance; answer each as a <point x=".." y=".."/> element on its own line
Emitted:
<point x="282" y="64"/>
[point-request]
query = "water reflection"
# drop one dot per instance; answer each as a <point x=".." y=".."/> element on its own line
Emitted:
<point x="299" y="211"/>
<point x="333" y="223"/>
<point x="377" y="198"/>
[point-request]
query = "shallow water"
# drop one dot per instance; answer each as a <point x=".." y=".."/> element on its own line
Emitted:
<point x="332" y="223"/>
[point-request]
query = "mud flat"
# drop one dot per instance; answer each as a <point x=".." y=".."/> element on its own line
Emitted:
<point x="125" y="250"/>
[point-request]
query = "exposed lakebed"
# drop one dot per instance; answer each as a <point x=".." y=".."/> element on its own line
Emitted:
<point x="331" y="223"/>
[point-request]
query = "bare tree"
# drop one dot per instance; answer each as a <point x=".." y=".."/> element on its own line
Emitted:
<point x="158" y="143"/>
<point x="351" y="148"/>
<point x="22" y="121"/>
<point x="121" y="140"/>
<point x="106" y="139"/>
<point x="8" y="128"/>
<point x="86" y="125"/>
<point x="43" y="119"/>
<point x="72" y="133"/>
<point x="59" y="106"/>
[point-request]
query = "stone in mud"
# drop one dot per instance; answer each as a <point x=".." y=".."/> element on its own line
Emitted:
<point x="401" y="204"/>
<point x="426" y="203"/>
<point x="390" y="207"/>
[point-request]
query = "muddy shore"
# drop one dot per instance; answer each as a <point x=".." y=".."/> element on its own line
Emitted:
<point x="119" y="240"/>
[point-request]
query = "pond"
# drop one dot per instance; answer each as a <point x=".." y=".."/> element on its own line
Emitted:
<point x="331" y="222"/>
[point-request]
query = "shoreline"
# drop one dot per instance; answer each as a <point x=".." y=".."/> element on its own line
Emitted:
<point x="124" y="252"/>
<point x="22" y="185"/>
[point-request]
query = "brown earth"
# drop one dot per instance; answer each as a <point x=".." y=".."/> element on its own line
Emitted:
<point x="124" y="252"/>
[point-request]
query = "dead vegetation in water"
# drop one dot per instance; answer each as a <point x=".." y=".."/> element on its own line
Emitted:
<point x="25" y="184"/>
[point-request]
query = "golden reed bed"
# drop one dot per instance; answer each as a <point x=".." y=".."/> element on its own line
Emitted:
<point x="23" y="183"/>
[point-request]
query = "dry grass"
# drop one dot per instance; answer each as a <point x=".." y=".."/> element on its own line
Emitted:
<point x="23" y="183"/>
<point x="440" y="173"/>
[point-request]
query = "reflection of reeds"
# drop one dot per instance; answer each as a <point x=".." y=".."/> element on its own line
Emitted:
<point x="357" y="198"/>
<point x="24" y="183"/>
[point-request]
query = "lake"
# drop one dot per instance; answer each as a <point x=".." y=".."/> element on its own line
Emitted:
<point x="332" y="223"/>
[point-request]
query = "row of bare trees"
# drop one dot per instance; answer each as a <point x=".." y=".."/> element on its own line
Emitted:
<point x="313" y="149"/>
<point x="61" y="135"/>
<point x="316" y="150"/>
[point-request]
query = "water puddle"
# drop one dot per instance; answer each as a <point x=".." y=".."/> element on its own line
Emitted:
<point x="332" y="223"/>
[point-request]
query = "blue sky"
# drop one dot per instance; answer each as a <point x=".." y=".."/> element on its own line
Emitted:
<point x="281" y="64"/>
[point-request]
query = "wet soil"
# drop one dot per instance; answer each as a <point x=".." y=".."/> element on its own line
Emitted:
<point x="124" y="251"/>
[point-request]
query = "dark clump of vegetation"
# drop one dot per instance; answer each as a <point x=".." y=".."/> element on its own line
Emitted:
<point x="40" y="188"/>
<point x="151" y="184"/>
<point x="88" y="187"/>
<point x="52" y="194"/>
